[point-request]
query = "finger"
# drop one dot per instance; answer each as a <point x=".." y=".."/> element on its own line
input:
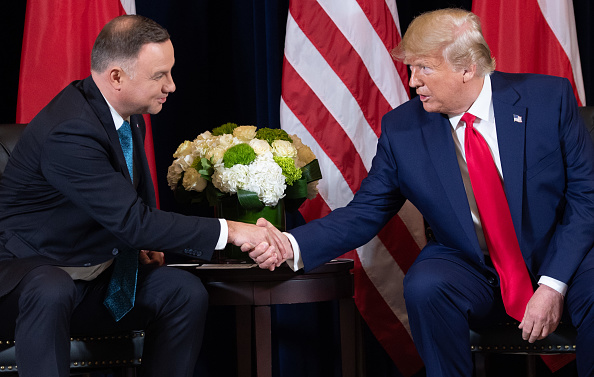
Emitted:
<point x="544" y="332"/>
<point x="526" y="330"/>
<point x="247" y="247"/>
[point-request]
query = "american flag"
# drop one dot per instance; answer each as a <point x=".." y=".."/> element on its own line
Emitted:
<point x="338" y="81"/>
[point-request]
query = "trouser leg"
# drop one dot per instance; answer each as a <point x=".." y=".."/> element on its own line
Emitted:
<point x="443" y="299"/>
<point x="171" y="306"/>
<point x="37" y="313"/>
<point x="579" y="303"/>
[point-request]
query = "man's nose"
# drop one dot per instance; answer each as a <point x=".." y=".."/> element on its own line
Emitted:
<point x="414" y="82"/>
<point x="169" y="86"/>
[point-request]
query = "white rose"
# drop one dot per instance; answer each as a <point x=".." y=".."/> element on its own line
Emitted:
<point x="245" y="133"/>
<point x="283" y="148"/>
<point x="184" y="148"/>
<point x="260" y="146"/>
<point x="193" y="180"/>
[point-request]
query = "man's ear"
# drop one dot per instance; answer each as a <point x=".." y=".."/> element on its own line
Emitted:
<point x="469" y="73"/>
<point x="116" y="75"/>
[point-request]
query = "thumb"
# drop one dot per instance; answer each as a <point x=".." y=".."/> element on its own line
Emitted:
<point x="262" y="222"/>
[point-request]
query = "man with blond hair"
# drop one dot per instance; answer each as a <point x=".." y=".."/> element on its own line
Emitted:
<point x="502" y="168"/>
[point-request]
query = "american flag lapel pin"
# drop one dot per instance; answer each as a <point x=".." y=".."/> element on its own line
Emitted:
<point x="517" y="118"/>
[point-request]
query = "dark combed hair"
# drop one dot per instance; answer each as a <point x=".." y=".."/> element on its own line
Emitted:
<point x="121" y="39"/>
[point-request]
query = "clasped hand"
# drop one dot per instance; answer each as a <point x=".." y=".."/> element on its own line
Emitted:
<point x="266" y="245"/>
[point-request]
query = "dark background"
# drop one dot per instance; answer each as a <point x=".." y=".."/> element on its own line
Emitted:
<point x="228" y="69"/>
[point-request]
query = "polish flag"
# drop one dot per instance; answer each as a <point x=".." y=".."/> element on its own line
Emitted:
<point x="57" y="43"/>
<point x="533" y="36"/>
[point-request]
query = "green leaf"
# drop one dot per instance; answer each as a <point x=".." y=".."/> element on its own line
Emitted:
<point x="311" y="171"/>
<point x="249" y="200"/>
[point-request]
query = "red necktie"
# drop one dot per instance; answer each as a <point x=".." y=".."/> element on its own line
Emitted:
<point x="516" y="287"/>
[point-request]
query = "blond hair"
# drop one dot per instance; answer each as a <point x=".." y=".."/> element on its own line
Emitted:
<point x="456" y="34"/>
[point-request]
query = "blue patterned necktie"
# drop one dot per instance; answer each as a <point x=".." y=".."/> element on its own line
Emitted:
<point x="121" y="291"/>
<point x="125" y="135"/>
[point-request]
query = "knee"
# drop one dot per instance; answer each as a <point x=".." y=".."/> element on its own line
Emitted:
<point x="423" y="286"/>
<point x="49" y="287"/>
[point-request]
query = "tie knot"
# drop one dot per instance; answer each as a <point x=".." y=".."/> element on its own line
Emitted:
<point x="468" y="118"/>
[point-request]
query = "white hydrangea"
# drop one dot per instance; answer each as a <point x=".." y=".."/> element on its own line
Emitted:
<point x="263" y="176"/>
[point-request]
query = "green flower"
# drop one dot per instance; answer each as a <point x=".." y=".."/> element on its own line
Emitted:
<point x="272" y="134"/>
<point x="226" y="128"/>
<point x="239" y="154"/>
<point x="290" y="171"/>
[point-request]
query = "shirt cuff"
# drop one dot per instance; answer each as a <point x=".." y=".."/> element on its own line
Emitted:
<point x="557" y="285"/>
<point x="296" y="263"/>
<point x="223" y="236"/>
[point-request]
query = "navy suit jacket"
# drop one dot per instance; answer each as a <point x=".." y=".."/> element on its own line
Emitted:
<point x="548" y="168"/>
<point x="66" y="197"/>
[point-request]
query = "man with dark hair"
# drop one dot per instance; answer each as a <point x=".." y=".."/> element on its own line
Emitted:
<point x="77" y="213"/>
<point x="502" y="168"/>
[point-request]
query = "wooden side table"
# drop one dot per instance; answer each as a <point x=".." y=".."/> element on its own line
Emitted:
<point x="252" y="291"/>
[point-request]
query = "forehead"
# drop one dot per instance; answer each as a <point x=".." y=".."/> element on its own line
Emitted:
<point x="157" y="56"/>
<point x="429" y="61"/>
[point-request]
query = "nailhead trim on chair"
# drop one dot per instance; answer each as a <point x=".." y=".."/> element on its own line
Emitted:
<point x="79" y="364"/>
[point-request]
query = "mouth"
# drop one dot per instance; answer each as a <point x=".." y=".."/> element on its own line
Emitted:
<point x="162" y="100"/>
<point x="423" y="97"/>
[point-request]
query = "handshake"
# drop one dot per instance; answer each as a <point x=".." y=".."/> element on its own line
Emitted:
<point x="266" y="245"/>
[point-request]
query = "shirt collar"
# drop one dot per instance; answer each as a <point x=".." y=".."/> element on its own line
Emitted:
<point x="117" y="118"/>
<point x="482" y="107"/>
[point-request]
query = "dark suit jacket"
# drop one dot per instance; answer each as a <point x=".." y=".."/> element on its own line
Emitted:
<point x="66" y="197"/>
<point x="547" y="161"/>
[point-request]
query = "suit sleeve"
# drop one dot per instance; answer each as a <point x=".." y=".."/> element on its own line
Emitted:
<point x="573" y="237"/>
<point x="347" y="228"/>
<point x="78" y="160"/>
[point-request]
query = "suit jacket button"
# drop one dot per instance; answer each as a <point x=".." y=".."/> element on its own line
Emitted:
<point x="199" y="253"/>
<point x="115" y="251"/>
<point x="87" y="264"/>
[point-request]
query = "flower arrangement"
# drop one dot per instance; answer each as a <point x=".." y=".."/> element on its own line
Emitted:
<point x="260" y="166"/>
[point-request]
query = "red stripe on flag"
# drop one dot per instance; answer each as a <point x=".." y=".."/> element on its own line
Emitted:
<point x="344" y="60"/>
<point x="314" y="209"/>
<point x="315" y="117"/>
<point x="384" y="324"/>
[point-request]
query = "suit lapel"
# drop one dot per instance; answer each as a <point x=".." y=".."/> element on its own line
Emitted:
<point x="442" y="151"/>
<point x="101" y="109"/>
<point x="510" y="120"/>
